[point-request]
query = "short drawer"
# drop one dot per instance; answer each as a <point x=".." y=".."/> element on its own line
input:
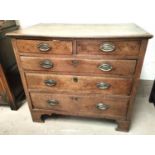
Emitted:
<point x="74" y="65"/>
<point x="108" y="47"/>
<point x="84" y="105"/>
<point x="45" y="47"/>
<point x="84" y="84"/>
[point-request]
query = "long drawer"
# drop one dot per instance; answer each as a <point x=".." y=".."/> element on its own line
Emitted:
<point x="93" y="105"/>
<point x="85" y="84"/>
<point x="75" y="65"/>
<point x="108" y="47"/>
<point x="45" y="47"/>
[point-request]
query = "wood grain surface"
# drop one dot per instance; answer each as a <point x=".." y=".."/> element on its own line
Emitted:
<point x="81" y="104"/>
<point x="77" y="65"/>
<point x="84" y="84"/>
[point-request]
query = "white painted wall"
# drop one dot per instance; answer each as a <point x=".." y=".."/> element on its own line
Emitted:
<point x="141" y="12"/>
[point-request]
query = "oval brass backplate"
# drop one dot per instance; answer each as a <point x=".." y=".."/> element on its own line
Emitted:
<point x="102" y="106"/>
<point x="44" y="47"/>
<point x="107" y="47"/>
<point x="105" y="67"/>
<point x="50" y="82"/>
<point x="103" y="85"/>
<point x="52" y="102"/>
<point x="47" y="64"/>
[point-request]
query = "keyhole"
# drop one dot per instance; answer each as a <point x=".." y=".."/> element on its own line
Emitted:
<point x="75" y="79"/>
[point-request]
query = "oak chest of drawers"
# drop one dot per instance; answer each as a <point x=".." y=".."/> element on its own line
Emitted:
<point x="81" y="70"/>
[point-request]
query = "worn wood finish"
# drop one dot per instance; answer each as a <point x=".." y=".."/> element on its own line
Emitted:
<point x="56" y="46"/>
<point x="137" y="76"/>
<point x="82" y="31"/>
<point x="85" y="84"/>
<point x="126" y="48"/>
<point x="78" y="65"/>
<point x="81" y="104"/>
<point x="75" y="70"/>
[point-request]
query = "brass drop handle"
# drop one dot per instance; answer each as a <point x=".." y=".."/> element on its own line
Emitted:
<point x="102" y="106"/>
<point x="103" y="85"/>
<point x="50" y="82"/>
<point x="44" y="47"/>
<point x="105" y="67"/>
<point x="47" y="64"/>
<point x="52" y="102"/>
<point x="107" y="47"/>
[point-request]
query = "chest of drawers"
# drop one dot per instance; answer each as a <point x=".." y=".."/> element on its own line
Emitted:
<point x="81" y="70"/>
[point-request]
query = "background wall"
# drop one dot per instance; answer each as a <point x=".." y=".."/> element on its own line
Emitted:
<point x="100" y="11"/>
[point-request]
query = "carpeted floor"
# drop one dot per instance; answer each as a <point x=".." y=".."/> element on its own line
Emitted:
<point x="19" y="122"/>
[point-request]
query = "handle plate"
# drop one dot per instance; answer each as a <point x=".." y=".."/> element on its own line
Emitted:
<point x="50" y="82"/>
<point x="44" y="47"/>
<point x="103" y="85"/>
<point x="105" y="67"/>
<point x="102" y="106"/>
<point x="47" y="64"/>
<point x="107" y="47"/>
<point x="52" y="102"/>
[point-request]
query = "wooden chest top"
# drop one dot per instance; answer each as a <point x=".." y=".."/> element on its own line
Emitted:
<point x="83" y="31"/>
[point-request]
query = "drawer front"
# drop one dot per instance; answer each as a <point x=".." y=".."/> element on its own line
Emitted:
<point x="108" y="47"/>
<point x="85" y="84"/>
<point x="45" y="47"/>
<point x="71" y="65"/>
<point x="94" y="105"/>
